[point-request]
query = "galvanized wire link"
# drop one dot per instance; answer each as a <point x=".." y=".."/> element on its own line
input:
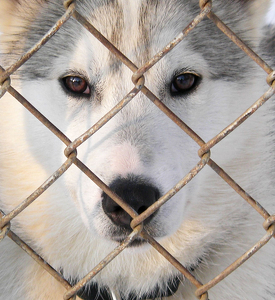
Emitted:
<point x="4" y="231"/>
<point x="138" y="79"/>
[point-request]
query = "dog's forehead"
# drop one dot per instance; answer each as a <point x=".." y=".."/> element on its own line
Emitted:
<point x="140" y="28"/>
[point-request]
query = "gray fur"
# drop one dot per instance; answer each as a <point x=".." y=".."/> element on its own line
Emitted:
<point x="267" y="44"/>
<point x="223" y="57"/>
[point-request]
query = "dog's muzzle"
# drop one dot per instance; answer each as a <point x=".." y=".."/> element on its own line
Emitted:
<point x="135" y="191"/>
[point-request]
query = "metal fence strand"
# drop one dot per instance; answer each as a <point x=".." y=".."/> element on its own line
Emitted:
<point x="168" y="195"/>
<point x="5" y="84"/>
<point x="42" y="263"/>
<point x="70" y="152"/>
<point x="105" y="188"/>
<point x="117" y="108"/>
<point x="24" y="204"/>
<point x="270" y="78"/>
<point x="206" y="9"/>
<point x="39" y="115"/>
<point x="124" y="59"/>
<point x="5" y="228"/>
<point x="103" y="263"/>
<point x="238" y="262"/>
<point x="227" y="31"/>
<point x="171" y="259"/>
<point x="269" y="222"/>
<point x="171" y="115"/>
<point x="256" y="205"/>
<point x="251" y="110"/>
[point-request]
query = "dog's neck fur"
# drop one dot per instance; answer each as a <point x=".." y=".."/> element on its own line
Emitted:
<point x="103" y="293"/>
<point x="93" y="291"/>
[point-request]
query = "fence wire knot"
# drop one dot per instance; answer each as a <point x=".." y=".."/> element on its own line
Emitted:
<point x="270" y="78"/>
<point x="204" y="296"/>
<point x="269" y="222"/>
<point x="204" y="3"/>
<point x="138" y="81"/>
<point x="67" y="3"/>
<point x="5" y="84"/>
<point x="70" y="152"/>
<point x="4" y="230"/>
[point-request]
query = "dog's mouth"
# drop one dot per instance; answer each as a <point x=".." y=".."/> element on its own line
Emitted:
<point x="119" y="234"/>
<point x="135" y="243"/>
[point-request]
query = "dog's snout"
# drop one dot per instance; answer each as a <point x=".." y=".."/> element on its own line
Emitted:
<point x="134" y="191"/>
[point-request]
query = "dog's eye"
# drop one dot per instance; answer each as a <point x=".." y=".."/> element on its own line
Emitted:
<point x="183" y="83"/>
<point x="77" y="85"/>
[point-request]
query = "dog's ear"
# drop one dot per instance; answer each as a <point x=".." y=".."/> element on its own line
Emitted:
<point x="245" y="17"/>
<point x="257" y="17"/>
<point x="7" y="7"/>
<point x="13" y="14"/>
<point x="258" y="10"/>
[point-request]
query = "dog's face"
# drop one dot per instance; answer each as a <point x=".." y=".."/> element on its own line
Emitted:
<point x="140" y="153"/>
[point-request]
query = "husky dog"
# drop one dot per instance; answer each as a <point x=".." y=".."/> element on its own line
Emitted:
<point x="140" y="154"/>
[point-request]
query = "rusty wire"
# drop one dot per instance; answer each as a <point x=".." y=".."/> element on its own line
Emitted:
<point x="269" y="234"/>
<point x="139" y="86"/>
<point x="7" y="218"/>
<point x="168" y="195"/>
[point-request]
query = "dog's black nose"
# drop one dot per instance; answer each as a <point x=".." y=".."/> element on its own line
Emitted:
<point x="136" y="192"/>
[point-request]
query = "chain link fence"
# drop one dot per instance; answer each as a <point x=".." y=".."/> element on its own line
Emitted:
<point x="139" y="87"/>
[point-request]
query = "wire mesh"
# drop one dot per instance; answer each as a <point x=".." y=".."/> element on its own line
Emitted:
<point x="139" y="87"/>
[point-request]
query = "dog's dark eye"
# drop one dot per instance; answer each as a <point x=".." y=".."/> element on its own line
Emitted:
<point x="183" y="83"/>
<point x="76" y="85"/>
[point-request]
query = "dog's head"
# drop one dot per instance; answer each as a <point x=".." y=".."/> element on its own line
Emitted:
<point x="140" y="153"/>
